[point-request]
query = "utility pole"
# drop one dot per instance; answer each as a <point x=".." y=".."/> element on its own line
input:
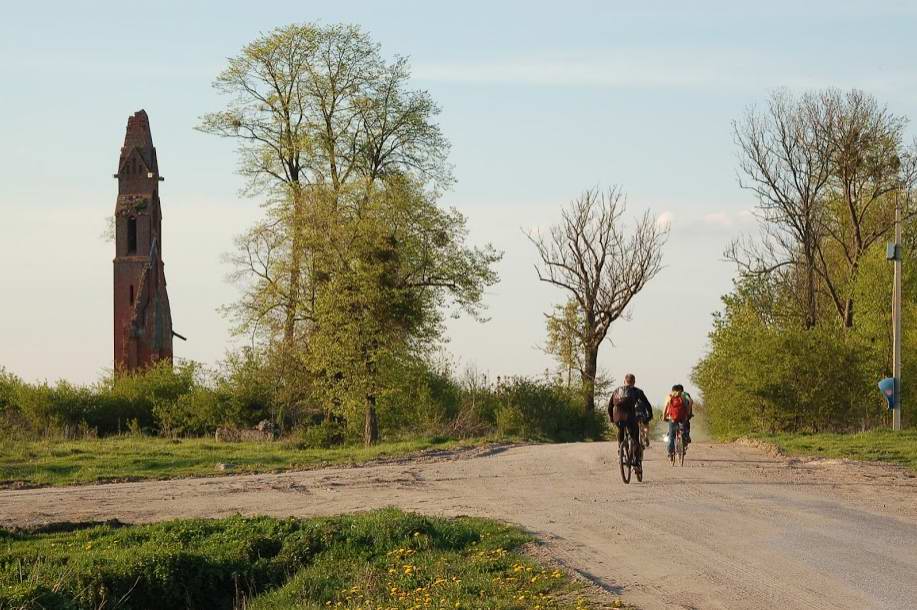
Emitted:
<point x="896" y="319"/>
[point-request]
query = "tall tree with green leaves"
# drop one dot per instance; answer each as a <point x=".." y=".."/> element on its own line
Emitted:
<point x="353" y="265"/>
<point x="315" y="109"/>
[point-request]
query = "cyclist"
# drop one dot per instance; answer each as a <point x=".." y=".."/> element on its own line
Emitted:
<point x="644" y="412"/>
<point x="690" y="402"/>
<point x="676" y="413"/>
<point x="626" y="402"/>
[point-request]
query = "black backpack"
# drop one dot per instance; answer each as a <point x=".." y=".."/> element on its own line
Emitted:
<point x="624" y="403"/>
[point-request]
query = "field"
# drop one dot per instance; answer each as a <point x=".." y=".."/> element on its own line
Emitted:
<point x="382" y="559"/>
<point x="876" y="446"/>
<point x="127" y="458"/>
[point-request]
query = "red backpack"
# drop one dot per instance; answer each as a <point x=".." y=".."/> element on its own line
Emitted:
<point x="678" y="409"/>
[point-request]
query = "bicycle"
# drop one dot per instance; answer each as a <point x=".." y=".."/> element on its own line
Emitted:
<point x="679" y="453"/>
<point x="644" y="435"/>
<point x="627" y="457"/>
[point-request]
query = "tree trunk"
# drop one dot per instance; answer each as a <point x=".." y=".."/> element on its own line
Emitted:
<point x="370" y="422"/>
<point x="289" y="327"/>
<point x="811" y="303"/>
<point x="592" y="358"/>
<point x="848" y="306"/>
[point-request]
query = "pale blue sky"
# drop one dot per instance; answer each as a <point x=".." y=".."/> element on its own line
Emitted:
<point x="540" y="100"/>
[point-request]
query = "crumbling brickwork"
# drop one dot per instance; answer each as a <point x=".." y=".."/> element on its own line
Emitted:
<point x="143" y="320"/>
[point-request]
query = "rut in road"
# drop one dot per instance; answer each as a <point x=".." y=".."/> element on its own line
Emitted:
<point x="734" y="528"/>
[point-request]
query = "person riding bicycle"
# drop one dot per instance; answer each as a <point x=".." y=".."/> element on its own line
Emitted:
<point x="677" y="410"/>
<point x="625" y="403"/>
<point x="644" y="413"/>
<point x="690" y="401"/>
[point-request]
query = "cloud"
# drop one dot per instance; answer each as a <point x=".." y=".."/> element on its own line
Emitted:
<point x="665" y="219"/>
<point x="718" y="218"/>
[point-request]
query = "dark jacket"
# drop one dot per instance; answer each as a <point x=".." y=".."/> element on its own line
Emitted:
<point x="640" y="409"/>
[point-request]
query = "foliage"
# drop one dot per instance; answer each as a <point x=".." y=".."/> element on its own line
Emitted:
<point x="422" y="400"/>
<point x="540" y="410"/>
<point x="104" y="407"/>
<point x="787" y="353"/>
<point x="764" y="374"/>
<point x="385" y="558"/>
<point x="826" y="168"/>
<point x="565" y="327"/>
<point x="767" y="378"/>
<point x="351" y="270"/>
<point x="382" y="305"/>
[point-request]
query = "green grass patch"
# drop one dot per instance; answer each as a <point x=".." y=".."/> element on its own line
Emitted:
<point x="54" y="462"/>
<point x="382" y="559"/>
<point x="877" y="446"/>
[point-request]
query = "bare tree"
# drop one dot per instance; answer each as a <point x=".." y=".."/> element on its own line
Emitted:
<point x="784" y="158"/>
<point x="824" y="168"/>
<point x="602" y="263"/>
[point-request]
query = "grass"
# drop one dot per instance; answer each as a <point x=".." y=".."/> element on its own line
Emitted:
<point x="383" y="559"/>
<point x="877" y="445"/>
<point x="51" y="462"/>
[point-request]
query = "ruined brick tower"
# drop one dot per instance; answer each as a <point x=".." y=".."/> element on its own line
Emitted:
<point x="143" y="320"/>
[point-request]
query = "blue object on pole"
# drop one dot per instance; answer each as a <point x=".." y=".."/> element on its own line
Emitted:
<point x="887" y="387"/>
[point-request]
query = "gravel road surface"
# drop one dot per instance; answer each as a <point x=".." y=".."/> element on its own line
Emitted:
<point x="736" y="527"/>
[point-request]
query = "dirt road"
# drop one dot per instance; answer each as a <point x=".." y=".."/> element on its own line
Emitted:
<point x="735" y="528"/>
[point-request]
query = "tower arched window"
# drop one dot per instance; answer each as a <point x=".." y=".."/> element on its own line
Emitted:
<point x="132" y="236"/>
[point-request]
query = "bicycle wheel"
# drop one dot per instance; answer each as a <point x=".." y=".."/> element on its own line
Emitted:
<point x="624" y="457"/>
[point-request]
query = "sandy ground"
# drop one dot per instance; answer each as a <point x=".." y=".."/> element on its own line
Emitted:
<point x="735" y="528"/>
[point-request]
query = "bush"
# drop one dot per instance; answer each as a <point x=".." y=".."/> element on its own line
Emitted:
<point x="180" y="400"/>
<point x="761" y="377"/>
<point x="324" y="435"/>
<point x="540" y="410"/>
<point x="104" y="408"/>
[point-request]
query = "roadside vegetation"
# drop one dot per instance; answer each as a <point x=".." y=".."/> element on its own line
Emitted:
<point x="805" y="335"/>
<point x="162" y="423"/>
<point x="874" y="446"/>
<point x="387" y="559"/>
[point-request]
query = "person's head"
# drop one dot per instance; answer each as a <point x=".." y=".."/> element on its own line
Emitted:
<point x="675" y="388"/>
<point x="679" y="388"/>
<point x="629" y="379"/>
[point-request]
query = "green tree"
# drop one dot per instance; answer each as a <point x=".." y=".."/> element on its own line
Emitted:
<point x="315" y="109"/>
<point x="566" y="327"/>
<point x="400" y="262"/>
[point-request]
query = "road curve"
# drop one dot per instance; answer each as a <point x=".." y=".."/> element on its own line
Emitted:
<point x="735" y="528"/>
